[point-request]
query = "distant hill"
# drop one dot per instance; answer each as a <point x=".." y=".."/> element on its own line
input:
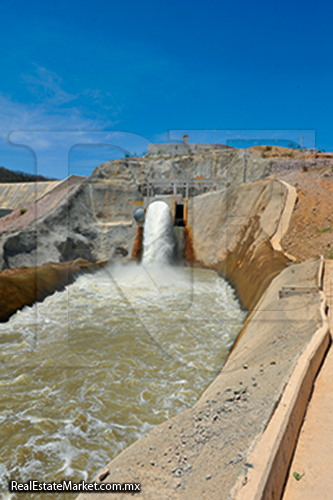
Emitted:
<point x="7" y="176"/>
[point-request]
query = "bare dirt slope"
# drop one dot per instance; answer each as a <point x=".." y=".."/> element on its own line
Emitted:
<point x="311" y="227"/>
<point x="279" y="152"/>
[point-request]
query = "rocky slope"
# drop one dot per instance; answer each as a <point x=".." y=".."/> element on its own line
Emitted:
<point x="94" y="220"/>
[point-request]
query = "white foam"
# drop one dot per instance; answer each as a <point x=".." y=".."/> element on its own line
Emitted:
<point x="159" y="237"/>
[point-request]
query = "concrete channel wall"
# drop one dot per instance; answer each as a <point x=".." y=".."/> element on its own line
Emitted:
<point x="237" y="440"/>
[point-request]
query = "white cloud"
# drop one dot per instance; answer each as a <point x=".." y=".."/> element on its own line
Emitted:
<point x="46" y="86"/>
<point x="49" y="111"/>
<point x="57" y="120"/>
<point x="31" y="120"/>
<point x="99" y="97"/>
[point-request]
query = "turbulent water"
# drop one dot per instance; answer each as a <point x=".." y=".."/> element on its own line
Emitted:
<point x="91" y="369"/>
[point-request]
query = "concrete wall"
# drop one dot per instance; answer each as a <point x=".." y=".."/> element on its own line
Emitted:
<point x="232" y="232"/>
<point x="183" y="147"/>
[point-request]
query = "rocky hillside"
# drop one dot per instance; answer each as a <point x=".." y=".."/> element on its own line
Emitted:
<point x="94" y="220"/>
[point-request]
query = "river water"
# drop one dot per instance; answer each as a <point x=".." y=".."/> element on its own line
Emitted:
<point x="91" y="369"/>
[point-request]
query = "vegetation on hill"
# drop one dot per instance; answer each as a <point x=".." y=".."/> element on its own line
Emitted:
<point x="7" y="176"/>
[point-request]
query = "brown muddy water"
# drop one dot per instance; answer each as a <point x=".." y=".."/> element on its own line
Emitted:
<point x="91" y="369"/>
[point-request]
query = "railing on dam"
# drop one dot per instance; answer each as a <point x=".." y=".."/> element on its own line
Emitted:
<point x="176" y="193"/>
<point x="179" y="188"/>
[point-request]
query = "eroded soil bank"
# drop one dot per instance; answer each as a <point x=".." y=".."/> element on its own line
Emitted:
<point x="311" y="227"/>
<point x="24" y="286"/>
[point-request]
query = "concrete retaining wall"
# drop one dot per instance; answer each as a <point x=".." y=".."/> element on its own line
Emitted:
<point x="272" y="451"/>
<point x="236" y="232"/>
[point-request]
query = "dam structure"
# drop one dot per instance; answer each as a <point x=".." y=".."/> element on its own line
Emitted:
<point x="184" y="146"/>
<point x="93" y="218"/>
<point x="236" y="442"/>
<point x="99" y="360"/>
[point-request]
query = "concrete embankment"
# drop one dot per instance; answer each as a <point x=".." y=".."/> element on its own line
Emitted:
<point x="314" y="449"/>
<point x="206" y="451"/>
<point x="298" y="350"/>
<point x="237" y="233"/>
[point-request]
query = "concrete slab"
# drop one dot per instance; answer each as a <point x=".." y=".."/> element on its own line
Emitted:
<point x="314" y="450"/>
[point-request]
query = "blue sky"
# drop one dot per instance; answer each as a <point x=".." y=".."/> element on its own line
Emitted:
<point x="83" y="82"/>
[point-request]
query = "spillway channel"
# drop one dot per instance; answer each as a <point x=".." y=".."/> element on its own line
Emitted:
<point x="91" y="369"/>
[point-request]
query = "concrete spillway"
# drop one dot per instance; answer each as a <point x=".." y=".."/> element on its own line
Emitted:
<point x="204" y="452"/>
